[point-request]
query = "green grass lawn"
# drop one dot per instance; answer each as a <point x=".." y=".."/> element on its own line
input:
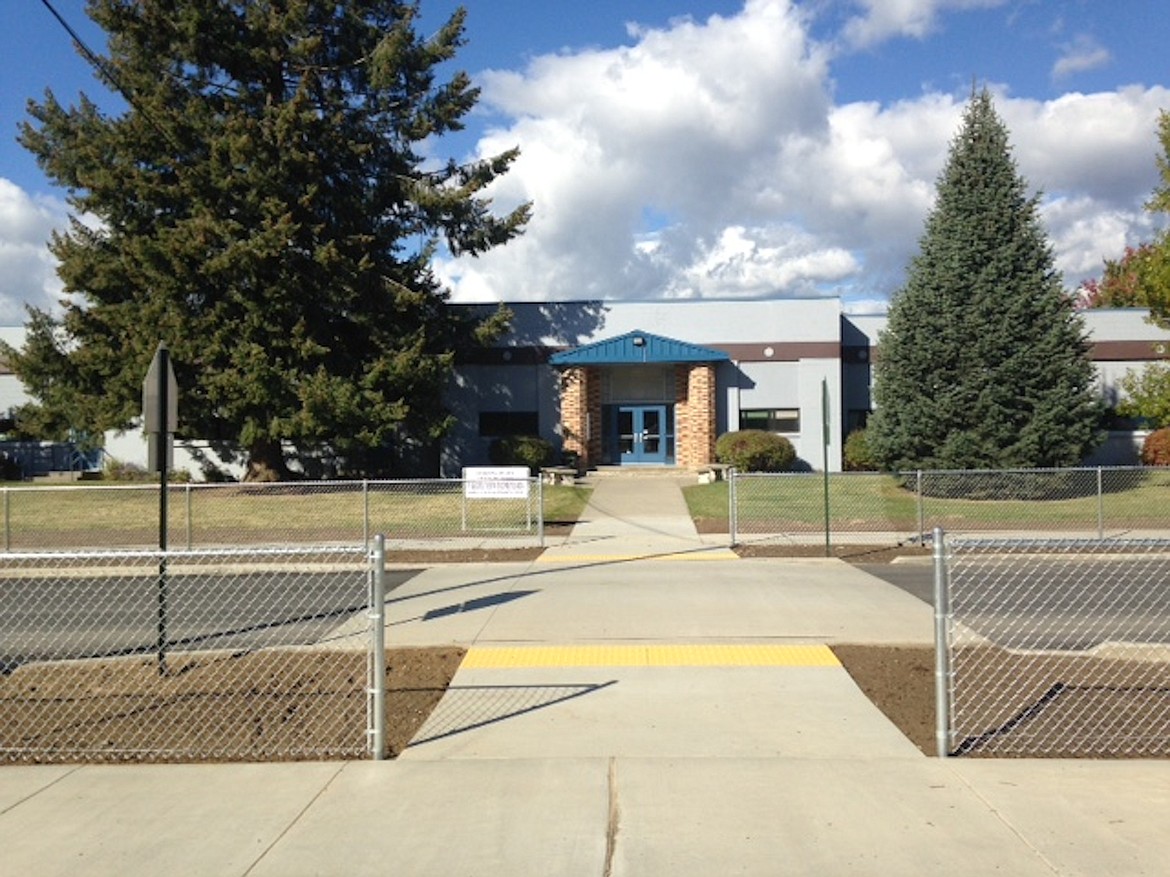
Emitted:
<point x="1131" y="499"/>
<point x="115" y="515"/>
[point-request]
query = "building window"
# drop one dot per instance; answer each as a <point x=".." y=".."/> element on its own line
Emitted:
<point x="498" y="423"/>
<point x="770" y="419"/>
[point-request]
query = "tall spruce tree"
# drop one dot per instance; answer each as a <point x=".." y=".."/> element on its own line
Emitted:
<point x="264" y="208"/>
<point x="983" y="363"/>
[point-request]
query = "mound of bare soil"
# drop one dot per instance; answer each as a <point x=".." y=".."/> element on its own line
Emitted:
<point x="272" y="705"/>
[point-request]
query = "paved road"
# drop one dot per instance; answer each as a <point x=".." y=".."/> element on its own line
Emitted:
<point x="1047" y="603"/>
<point x="69" y="618"/>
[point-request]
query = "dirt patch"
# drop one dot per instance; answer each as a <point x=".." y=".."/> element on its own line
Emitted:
<point x="1013" y="705"/>
<point x="900" y="682"/>
<point x="462" y="555"/>
<point x="852" y="553"/>
<point x="1111" y="704"/>
<point x="274" y="705"/>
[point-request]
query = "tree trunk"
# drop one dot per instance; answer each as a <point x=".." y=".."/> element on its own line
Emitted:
<point x="266" y="462"/>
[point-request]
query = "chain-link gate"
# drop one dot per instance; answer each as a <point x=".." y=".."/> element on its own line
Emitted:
<point x="234" y="654"/>
<point x="1053" y="647"/>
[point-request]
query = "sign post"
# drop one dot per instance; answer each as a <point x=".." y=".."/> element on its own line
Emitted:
<point x="160" y="416"/>
<point x="825" y="437"/>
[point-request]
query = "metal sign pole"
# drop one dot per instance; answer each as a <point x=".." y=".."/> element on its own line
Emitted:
<point x="160" y="414"/>
<point x="162" y="442"/>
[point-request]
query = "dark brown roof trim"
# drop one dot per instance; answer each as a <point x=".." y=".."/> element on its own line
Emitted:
<point x="1121" y="351"/>
<point x="781" y="351"/>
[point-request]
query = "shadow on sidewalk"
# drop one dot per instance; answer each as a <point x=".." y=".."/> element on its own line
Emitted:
<point x="467" y="707"/>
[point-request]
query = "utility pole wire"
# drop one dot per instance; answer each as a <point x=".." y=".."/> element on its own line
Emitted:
<point x="107" y="74"/>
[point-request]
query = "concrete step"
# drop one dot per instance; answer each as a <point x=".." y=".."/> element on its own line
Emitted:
<point x="641" y="472"/>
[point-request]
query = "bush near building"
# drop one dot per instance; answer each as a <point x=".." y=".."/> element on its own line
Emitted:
<point x="856" y="455"/>
<point x="754" y="450"/>
<point x="521" y="450"/>
<point x="1156" y="448"/>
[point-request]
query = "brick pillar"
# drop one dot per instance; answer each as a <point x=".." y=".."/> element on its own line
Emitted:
<point x="581" y="414"/>
<point x="593" y="410"/>
<point x="695" y="414"/>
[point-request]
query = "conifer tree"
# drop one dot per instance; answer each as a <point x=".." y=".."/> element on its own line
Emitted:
<point x="263" y="206"/>
<point x="983" y="363"/>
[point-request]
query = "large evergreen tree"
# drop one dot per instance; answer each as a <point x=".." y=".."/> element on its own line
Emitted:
<point x="263" y="207"/>
<point x="983" y="363"/>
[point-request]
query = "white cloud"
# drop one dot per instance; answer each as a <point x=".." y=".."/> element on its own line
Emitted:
<point x="882" y="19"/>
<point x="686" y="124"/>
<point x="709" y="160"/>
<point x="1084" y="235"/>
<point x="27" y="269"/>
<point x="1102" y="145"/>
<point x="1083" y="53"/>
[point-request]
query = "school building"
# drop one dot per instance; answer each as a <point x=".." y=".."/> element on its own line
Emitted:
<point x="654" y="383"/>
<point x="614" y="383"/>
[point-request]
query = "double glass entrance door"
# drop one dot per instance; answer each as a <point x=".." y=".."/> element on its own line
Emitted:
<point x="641" y="433"/>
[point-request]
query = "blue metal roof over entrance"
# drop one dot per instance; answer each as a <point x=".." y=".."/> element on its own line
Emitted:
<point x="637" y="347"/>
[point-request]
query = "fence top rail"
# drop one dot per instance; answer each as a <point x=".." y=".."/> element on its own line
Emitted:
<point x="155" y="554"/>
<point x="257" y="487"/>
<point x="1071" y="544"/>
<point x="1049" y="471"/>
<point x="980" y="472"/>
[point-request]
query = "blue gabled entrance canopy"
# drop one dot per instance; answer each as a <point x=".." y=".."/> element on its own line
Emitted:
<point x="637" y="347"/>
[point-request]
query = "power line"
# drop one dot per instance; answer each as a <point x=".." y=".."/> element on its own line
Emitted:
<point x="107" y="74"/>
<point x="94" y="59"/>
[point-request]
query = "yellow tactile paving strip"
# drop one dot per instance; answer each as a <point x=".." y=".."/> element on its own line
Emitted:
<point x="664" y="655"/>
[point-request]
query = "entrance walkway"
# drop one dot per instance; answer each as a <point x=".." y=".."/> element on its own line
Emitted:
<point x="634" y="516"/>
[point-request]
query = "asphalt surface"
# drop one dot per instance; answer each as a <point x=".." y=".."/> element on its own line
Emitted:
<point x="1069" y="604"/>
<point x="89" y="616"/>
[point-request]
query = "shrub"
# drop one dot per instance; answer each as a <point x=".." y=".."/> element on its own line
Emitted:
<point x="753" y="450"/>
<point x="857" y="457"/>
<point x="521" y="450"/>
<point x="116" y="470"/>
<point x="1007" y="485"/>
<point x="1156" y="448"/>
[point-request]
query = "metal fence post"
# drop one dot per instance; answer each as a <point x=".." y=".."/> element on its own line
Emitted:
<point x="377" y="701"/>
<point x="539" y="511"/>
<point x="189" y="527"/>
<point x="365" y="512"/>
<point x="942" y="669"/>
<point x="7" y="524"/>
<point x="1100" y="506"/>
<point x="732" y="522"/>
<point x="921" y="507"/>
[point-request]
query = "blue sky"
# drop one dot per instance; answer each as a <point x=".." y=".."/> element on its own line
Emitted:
<point x="720" y="149"/>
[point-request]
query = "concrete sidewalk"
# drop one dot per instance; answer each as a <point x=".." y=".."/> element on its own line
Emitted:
<point x="601" y="725"/>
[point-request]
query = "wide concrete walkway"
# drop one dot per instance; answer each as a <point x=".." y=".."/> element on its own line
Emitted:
<point x="636" y="701"/>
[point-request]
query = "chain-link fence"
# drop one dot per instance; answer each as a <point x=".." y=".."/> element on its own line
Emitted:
<point x="432" y="512"/>
<point x="240" y="654"/>
<point x="868" y="507"/>
<point x="798" y="506"/>
<point x="1053" y="647"/>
